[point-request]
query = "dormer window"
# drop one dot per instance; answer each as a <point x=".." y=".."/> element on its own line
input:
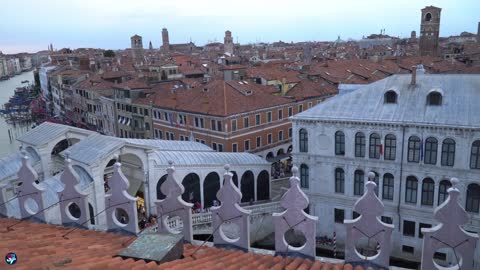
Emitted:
<point x="390" y="97"/>
<point x="434" y="98"/>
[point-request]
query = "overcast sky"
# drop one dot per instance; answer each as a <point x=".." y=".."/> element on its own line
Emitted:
<point x="30" y="25"/>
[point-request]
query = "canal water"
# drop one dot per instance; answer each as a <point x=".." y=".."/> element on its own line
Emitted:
<point x="7" y="89"/>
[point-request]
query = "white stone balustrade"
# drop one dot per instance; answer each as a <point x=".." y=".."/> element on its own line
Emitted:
<point x="174" y="206"/>
<point x="449" y="235"/>
<point x="294" y="219"/>
<point x="368" y="226"/>
<point x="230" y="211"/>
<point x="121" y="207"/>
<point x="72" y="196"/>
<point x="30" y="193"/>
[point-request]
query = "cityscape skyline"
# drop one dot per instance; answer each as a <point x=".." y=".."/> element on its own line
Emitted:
<point x="109" y="24"/>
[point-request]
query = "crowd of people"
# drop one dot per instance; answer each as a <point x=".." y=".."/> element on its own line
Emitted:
<point x="281" y="169"/>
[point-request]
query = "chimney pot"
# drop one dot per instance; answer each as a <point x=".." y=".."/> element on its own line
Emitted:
<point x="414" y="75"/>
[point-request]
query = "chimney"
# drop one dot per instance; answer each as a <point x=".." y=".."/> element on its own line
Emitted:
<point x="414" y="75"/>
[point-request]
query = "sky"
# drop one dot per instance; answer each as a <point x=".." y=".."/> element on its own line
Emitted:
<point x="31" y="25"/>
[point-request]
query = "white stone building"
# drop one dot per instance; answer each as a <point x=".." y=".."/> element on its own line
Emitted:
<point x="415" y="132"/>
<point x="144" y="163"/>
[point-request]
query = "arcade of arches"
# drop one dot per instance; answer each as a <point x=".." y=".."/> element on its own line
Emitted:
<point x="212" y="183"/>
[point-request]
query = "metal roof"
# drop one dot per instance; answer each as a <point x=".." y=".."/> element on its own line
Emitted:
<point x="460" y="101"/>
<point x="46" y="132"/>
<point x="10" y="165"/>
<point x="170" y="145"/>
<point x="93" y="148"/>
<point x="209" y="158"/>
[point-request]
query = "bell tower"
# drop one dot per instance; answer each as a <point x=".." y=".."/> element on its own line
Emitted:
<point x="228" y="42"/>
<point x="137" y="48"/>
<point x="165" y="40"/>
<point x="429" y="31"/>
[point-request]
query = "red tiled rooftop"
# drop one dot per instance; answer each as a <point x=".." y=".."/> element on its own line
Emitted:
<point x="41" y="246"/>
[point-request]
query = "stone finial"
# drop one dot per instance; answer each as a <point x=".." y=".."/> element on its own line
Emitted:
<point x="295" y="218"/>
<point x="121" y="207"/>
<point x="295" y="171"/>
<point x="230" y="211"/>
<point x="368" y="225"/>
<point x="227" y="167"/>
<point x="67" y="154"/>
<point x="449" y="234"/>
<point x="3" y="201"/>
<point x="72" y="196"/>
<point x="454" y="182"/>
<point x="30" y="193"/>
<point x="174" y="205"/>
<point x="371" y="176"/>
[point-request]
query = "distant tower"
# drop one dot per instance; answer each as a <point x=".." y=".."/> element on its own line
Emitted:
<point x="413" y="35"/>
<point x="429" y="31"/>
<point x="150" y="47"/>
<point x="478" y="33"/>
<point x="137" y="48"/>
<point x="165" y="41"/>
<point x="228" y="42"/>
<point x="307" y="54"/>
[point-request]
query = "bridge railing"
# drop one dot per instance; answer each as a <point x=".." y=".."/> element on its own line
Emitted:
<point x="205" y="219"/>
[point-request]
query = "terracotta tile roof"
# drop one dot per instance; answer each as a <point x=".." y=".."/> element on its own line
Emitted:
<point x="273" y="72"/>
<point x="309" y="89"/>
<point x="216" y="98"/>
<point x="41" y="246"/>
<point x="133" y="84"/>
<point x="233" y="67"/>
<point x="97" y="84"/>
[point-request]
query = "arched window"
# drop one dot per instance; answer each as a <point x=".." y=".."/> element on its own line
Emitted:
<point x="211" y="185"/>
<point x="339" y="180"/>
<point x="339" y="143"/>
<point x="411" y="190"/>
<point x="191" y="183"/>
<point x="160" y="195"/>
<point x="360" y="144"/>
<point x="358" y="183"/>
<point x="414" y="149"/>
<point x="390" y="147"/>
<point x="374" y="149"/>
<point x="448" y="152"/>
<point x="431" y="145"/>
<point x="434" y="98"/>
<point x="428" y="189"/>
<point x="304" y="176"/>
<point x="390" y="97"/>
<point x="428" y="17"/>
<point x="247" y="186"/>
<point x="263" y="186"/>
<point x="388" y="187"/>
<point x="473" y="198"/>
<point x="303" y="140"/>
<point x="442" y="191"/>
<point x="475" y="155"/>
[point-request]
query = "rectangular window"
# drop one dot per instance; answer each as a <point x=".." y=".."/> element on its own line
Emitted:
<point x="147" y="126"/>
<point x="259" y="142"/>
<point x="135" y="110"/>
<point x="234" y="124"/>
<point x="300" y="108"/>
<point x="339" y="215"/>
<point x="246" y="123"/>
<point x="202" y="124"/>
<point x="309" y="105"/>
<point x="269" y="138"/>
<point x="197" y="122"/>
<point x="258" y="119"/>
<point x="145" y="112"/>
<point x="420" y="226"/>
<point x="280" y="135"/>
<point x="165" y="116"/>
<point x="269" y="117"/>
<point x="247" y="145"/>
<point x="213" y="125"/>
<point x="172" y="136"/>
<point x="280" y="114"/>
<point x="234" y="147"/>
<point x="290" y="111"/>
<point x="390" y="147"/>
<point x="360" y="145"/>
<point x="220" y="147"/>
<point x="387" y="191"/>
<point x="183" y="138"/>
<point x="387" y="220"/>
<point x="219" y="125"/>
<point x="409" y="228"/>
<point x="290" y="133"/>
<point x="160" y="134"/>
<point x="408" y="249"/>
